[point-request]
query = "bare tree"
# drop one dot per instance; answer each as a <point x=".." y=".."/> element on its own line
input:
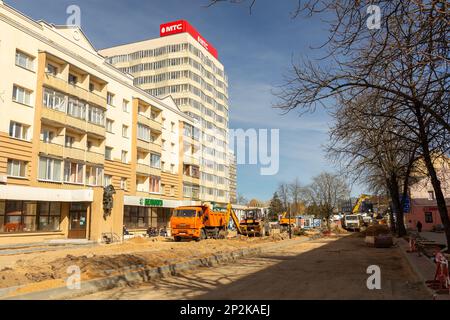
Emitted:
<point x="325" y="192"/>
<point x="283" y="193"/>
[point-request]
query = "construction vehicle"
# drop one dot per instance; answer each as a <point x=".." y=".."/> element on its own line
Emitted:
<point x="253" y="223"/>
<point x="355" y="220"/>
<point x="285" y="221"/>
<point x="201" y="222"/>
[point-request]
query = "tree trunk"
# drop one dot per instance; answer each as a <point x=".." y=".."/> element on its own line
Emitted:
<point x="400" y="225"/>
<point x="440" y="199"/>
<point x="394" y="207"/>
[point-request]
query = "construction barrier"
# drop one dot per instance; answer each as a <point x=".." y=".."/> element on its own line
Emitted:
<point x="441" y="282"/>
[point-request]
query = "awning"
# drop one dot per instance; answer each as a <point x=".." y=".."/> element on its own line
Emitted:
<point x="8" y="192"/>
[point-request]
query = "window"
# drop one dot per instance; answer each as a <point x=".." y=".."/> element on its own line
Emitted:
<point x="124" y="156"/>
<point x="19" y="216"/>
<point x="430" y="195"/>
<point x="47" y="135"/>
<point x="94" y="176"/>
<point x="51" y="69"/>
<point x="96" y="116"/>
<point x="18" y="130"/>
<point x="49" y="216"/>
<point x="143" y="132"/>
<point x="107" y="181"/>
<point x="73" y="172"/>
<point x="109" y="125"/>
<point x="125" y="104"/>
<point x="73" y="79"/>
<point x="155" y="160"/>
<point x="91" y="87"/>
<point x="110" y="98"/>
<point x="24" y="60"/>
<point x="76" y="108"/>
<point x="123" y="183"/>
<point x="428" y="217"/>
<point x="49" y="169"/>
<point x="155" y="184"/>
<point x="154" y="114"/>
<point x="54" y="100"/>
<point x="16" y="168"/>
<point x="69" y="141"/>
<point x="108" y="153"/>
<point x="21" y="95"/>
<point x="124" y="131"/>
<point x="172" y="126"/>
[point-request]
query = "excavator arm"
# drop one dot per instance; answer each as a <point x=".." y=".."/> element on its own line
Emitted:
<point x="359" y="203"/>
<point x="234" y="217"/>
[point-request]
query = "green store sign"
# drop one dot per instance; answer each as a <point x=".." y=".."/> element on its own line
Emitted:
<point x="151" y="202"/>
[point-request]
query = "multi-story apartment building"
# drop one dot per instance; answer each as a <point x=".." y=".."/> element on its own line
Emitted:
<point x="183" y="65"/>
<point x="72" y="123"/>
<point x="233" y="178"/>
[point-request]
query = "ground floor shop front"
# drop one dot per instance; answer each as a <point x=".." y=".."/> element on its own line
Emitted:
<point x="29" y="214"/>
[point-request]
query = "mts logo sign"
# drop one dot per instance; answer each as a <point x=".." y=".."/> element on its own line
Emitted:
<point x="172" y="28"/>
<point x="181" y="26"/>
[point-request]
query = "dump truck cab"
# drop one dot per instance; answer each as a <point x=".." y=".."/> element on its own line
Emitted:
<point x="187" y="222"/>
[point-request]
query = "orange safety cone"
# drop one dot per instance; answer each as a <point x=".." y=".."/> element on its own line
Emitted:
<point x="412" y="245"/>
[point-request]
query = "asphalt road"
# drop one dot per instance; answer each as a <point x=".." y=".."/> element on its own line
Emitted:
<point x="320" y="269"/>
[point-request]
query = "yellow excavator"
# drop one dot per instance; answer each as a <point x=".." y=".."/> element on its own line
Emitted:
<point x="285" y="221"/>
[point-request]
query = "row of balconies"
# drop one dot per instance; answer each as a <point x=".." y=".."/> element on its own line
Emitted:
<point x="66" y="120"/>
<point x="74" y="90"/>
<point x="71" y="153"/>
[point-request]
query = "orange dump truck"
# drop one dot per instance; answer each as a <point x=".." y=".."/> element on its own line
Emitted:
<point x="199" y="222"/>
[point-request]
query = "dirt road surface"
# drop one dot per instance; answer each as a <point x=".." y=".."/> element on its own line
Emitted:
<point x="321" y="269"/>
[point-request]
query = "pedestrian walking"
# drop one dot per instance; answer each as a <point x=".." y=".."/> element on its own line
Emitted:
<point x="419" y="226"/>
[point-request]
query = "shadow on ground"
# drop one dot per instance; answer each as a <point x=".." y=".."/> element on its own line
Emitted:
<point x="329" y="270"/>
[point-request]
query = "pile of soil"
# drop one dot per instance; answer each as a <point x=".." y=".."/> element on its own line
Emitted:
<point x="376" y="230"/>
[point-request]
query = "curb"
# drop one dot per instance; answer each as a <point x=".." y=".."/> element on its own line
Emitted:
<point x="417" y="271"/>
<point x="142" y="275"/>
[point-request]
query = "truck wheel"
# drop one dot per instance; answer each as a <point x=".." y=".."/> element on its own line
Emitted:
<point x="177" y="239"/>
<point x="202" y="235"/>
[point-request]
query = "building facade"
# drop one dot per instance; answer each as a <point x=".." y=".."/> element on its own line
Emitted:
<point x="70" y="124"/>
<point x="183" y="65"/>
<point x="423" y="206"/>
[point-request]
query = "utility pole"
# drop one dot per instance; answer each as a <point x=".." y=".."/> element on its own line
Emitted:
<point x="289" y="218"/>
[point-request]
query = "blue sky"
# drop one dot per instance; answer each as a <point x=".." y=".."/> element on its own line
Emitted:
<point x="256" y="51"/>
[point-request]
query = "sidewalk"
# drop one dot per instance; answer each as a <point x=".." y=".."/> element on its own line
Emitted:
<point x="424" y="268"/>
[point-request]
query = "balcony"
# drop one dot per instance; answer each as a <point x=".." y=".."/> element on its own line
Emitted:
<point x="51" y="149"/>
<point x="95" y="157"/>
<point x="74" y="90"/>
<point x="146" y="170"/>
<point x="74" y="153"/>
<point x="153" y="124"/>
<point x="191" y="179"/>
<point x="62" y="118"/>
<point x="191" y="160"/>
<point x="148" y="146"/>
<point x="95" y="129"/>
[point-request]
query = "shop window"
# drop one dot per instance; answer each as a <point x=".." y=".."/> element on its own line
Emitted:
<point x="428" y="217"/>
<point x="49" y="216"/>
